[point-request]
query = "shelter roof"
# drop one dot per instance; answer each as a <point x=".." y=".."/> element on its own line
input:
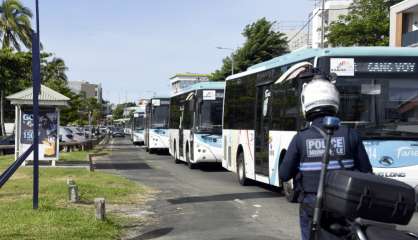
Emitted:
<point x="47" y="97"/>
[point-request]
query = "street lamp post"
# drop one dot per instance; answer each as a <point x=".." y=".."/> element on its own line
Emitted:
<point x="322" y="23"/>
<point x="232" y="57"/>
<point x="36" y="74"/>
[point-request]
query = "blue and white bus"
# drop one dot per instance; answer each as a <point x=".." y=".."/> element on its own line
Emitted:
<point x="138" y="125"/>
<point x="196" y="124"/>
<point x="156" y="124"/>
<point x="379" y="97"/>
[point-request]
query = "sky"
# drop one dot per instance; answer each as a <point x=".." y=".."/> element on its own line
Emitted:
<point x="133" y="47"/>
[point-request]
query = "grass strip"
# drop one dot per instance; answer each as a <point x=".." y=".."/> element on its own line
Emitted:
<point x="56" y="217"/>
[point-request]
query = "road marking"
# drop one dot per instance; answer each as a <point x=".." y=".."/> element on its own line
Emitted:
<point x="239" y="201"/>
<point x="257" y="205"/>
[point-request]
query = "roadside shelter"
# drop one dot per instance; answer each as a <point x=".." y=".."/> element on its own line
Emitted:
<point x="50" y="103"/>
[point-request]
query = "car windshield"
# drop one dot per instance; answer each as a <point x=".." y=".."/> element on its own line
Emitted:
<point x="380" y="108"/>
<point x="160" y="116"/>
<point x="210" y="115"/>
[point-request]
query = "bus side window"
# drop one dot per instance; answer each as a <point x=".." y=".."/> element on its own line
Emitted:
<point x="286" y="107"/>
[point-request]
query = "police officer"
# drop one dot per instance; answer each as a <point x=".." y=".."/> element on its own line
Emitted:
<point x="302" y="162"/>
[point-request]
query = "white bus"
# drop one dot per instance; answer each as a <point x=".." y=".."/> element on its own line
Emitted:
<point x="138" y="125"/>
<point x="196" y="124"/>
<point x="379" y="97"/>
<point x="156" y="124"/>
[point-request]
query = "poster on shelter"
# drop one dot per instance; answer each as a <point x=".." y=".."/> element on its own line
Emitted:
<point x="48" y="132"/>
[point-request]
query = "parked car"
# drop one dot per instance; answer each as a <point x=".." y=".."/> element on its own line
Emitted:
<point x="77" y="134"/>
<point x="118" y="132"/>
<point x="103" y="130"/>
<point x="8" y="140"/>
<point x="65" y="135"/>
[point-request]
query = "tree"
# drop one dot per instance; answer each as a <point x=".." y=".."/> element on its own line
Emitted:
<point x="262" y="43"/>
<point x="118" y="112"/>
<point x="16" y="66"/>
<point x="54" y="70"/>
<point x="15" y="25"/>
<point x="366" y="24"/>
<point x="15" y="28"/>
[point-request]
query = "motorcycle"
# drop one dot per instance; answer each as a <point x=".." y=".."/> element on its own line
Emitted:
<point x="346" y="198"/>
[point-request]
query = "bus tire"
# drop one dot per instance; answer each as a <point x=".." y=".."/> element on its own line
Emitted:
<point x="242" y="179"/>
<point x="176" y="160"/>
<point x="289" y="192"/>
<point x="189" y="164"/>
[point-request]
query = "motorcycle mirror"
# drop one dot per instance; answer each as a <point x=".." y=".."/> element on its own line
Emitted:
<point x="331" y="123"/>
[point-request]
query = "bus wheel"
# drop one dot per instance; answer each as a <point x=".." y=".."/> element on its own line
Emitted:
<point x="242" y="179"/>
<point x="289" y="192"/>
<point x="176" y="160"/>
<point x="189" y="164"/>
<point x="151" y="151"/>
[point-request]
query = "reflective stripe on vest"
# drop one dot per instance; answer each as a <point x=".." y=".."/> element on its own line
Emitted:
<point x="317" y="166"/>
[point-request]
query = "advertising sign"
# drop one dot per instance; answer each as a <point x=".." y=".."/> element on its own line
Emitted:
<point x="342" y="66"/>
<point x="156" y="102"/>
<point x="48" y="133"/>
<point x="209" y="95"/>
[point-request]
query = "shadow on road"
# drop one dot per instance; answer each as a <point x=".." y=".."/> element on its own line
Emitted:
<point x="211" y="167"/>
<point x="252" y="238"/>
<point x="223" y="197"/>
<point x="121" y="166"/>
<point x="153" y="234"/>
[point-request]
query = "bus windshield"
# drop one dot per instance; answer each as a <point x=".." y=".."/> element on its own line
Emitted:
<point x="139" y="123"/>
<point x="380" y="107"/>
<point x="210" y="116"/>
<point x="160" y="116"/>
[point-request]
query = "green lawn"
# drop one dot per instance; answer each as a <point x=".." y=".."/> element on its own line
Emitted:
<point x="56" y="218"/>
<point x="77" y="155"/>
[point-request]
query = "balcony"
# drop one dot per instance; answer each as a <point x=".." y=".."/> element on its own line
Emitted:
<point x="410" y="39"/>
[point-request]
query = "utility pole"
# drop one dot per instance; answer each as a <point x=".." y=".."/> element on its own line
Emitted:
<point x="322" y="23"/>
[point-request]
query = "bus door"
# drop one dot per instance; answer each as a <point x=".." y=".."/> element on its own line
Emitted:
<point x="263" y="121"/>
<point x="181" y="131"/>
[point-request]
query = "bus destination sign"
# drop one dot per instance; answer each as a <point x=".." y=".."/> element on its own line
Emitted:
<point x="341" y="66"/>
<point x="386" y="67"/>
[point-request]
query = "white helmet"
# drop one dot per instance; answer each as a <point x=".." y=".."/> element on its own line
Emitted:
<point x="319" y="97"/>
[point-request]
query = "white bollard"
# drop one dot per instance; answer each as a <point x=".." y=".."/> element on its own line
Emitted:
<point x="73" y="193"/>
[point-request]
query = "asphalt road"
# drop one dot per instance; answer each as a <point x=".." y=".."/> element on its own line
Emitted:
<point x="205" y="203"/>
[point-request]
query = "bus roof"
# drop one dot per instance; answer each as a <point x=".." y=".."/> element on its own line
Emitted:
<point x="159" y="97"/>
<point x="308" y="53"/>
<point x="202" y="85"/>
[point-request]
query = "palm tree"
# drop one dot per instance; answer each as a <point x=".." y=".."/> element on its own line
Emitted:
<point x="55" y="70"/>
<point x="15" y="25"/>
<point x="15" y="29"/>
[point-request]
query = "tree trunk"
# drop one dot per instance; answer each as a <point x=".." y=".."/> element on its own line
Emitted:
<point x="3" y="131"/>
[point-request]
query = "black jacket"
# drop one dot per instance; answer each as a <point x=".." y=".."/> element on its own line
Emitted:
<point x="302" y="161"/>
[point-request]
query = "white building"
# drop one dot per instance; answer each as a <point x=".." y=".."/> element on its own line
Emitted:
<point x="333" y="10"/>
<point x="183" y="80"/>
<point x="404" y="24"/>
<point x="297" y="40"/>
<point x="87" y="89"/>
<point x="128" y="110"/>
